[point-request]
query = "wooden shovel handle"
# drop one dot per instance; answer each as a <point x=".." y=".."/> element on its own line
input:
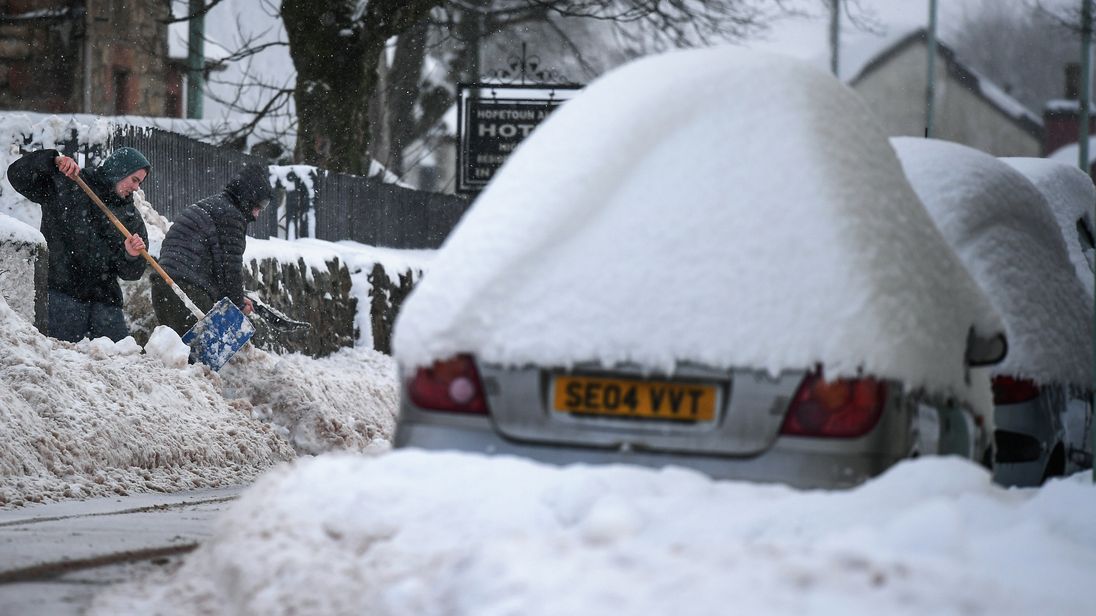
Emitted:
<point x="121" y="227"/>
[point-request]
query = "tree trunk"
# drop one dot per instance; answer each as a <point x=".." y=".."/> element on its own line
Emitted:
<point x="336" y="74"/>
<point x="403" y="91"/>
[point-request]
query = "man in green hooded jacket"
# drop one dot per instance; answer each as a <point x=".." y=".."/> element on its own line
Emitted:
<point x="87" y="254"/>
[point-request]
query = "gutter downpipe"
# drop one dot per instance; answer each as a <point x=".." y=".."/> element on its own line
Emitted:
<point x="930" y="81"/>
<point x="835" y="36"/>
<point x="88" y="20"/>
<point x="1082" y="142"/>
<point x="195" y="60"/>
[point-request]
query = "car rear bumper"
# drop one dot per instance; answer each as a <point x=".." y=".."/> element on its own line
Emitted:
<point x="799" y="462"/>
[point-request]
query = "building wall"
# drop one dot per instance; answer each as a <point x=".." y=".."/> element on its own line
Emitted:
<point x="43" y="61"/>
<point x="31" y="78"/>
<point x="895" y="91"/>
<point x="1062" y="129"/>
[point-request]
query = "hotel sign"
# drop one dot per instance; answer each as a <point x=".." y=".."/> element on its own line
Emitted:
<point x="491" y="127"/>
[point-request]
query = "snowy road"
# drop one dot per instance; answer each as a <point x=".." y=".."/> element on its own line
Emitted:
<point x="55" y="557"/>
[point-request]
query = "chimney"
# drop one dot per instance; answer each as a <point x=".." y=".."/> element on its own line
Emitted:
<point x="1073" y="81"/>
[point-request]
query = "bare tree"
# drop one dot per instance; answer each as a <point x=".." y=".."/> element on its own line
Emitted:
<point x="1022" y="48"/>
<point x="341" y="68"/>
<point x="336" y="48"/>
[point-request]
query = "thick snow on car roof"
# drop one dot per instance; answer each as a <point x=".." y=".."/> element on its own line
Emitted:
<point x="1071" y="196"/>
<point x="717" y="206"/>
<point x="1003" y="230"/>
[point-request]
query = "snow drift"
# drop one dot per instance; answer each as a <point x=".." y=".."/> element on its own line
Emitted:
<point x="412" y="532"/>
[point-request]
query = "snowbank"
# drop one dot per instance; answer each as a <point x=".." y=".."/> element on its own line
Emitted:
<point x="742" y="210"/>
<point x="411" y="532"/>
<point x="347" y="400"/>
<point x="1003" y="230"/>
<point x="97" y="418"/>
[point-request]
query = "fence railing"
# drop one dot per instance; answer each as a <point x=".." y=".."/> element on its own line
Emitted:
<point x="339" y="206"/>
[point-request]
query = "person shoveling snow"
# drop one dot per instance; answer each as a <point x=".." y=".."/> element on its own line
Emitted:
<point x="86" y="256"/>
<point x="203" y="251"/>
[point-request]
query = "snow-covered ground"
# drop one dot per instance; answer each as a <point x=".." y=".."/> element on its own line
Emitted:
<point x="410" y="532"/>
<point x="96" y="418"/>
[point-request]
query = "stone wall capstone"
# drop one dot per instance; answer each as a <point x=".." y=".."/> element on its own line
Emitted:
<point x="23" y="270"/>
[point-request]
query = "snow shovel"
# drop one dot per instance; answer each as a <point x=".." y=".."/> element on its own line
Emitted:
<point x="274" y="317"/>
<point x="216" y="336"/>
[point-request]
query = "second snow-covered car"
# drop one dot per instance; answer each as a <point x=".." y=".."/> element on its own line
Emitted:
<point x="1061" y="433"/>
<point x="730" y="273"/>
<point x="1005" y="232"/>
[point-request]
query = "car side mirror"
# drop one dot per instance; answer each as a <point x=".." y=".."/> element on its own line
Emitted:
<point x="982" y="351"/>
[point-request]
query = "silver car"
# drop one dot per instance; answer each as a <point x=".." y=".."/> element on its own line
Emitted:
<point x="695" y="279"/>
<point x="1002" y="223"/>
<point x="1044" y="431"/>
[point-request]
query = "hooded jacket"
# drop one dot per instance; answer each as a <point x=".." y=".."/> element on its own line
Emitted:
<point x="205" y="244"/>
<point x="87" y="253"/>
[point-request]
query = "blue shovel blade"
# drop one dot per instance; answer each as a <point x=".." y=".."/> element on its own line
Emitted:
<point x="216" y="338"/>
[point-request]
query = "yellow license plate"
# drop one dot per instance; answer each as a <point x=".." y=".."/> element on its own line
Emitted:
<point x="584" y="395"/>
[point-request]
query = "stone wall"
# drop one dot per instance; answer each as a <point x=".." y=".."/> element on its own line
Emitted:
<point x="23" y="268"/>
<point x="386" y="296"/>
<point x="322" y="298"/>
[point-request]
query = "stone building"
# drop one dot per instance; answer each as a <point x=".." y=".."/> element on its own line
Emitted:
<point x="107" y="57"/>
<point x="891" y="76"/>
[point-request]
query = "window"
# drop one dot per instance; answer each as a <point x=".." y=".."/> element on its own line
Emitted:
<point x="1088" y="242"/>
<point x="121" y="91"/>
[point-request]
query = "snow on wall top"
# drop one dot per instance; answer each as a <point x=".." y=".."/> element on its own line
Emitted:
<point x="1071" y="154"/>
<point x="1003" y="230"/>
<point x="1071" y="197"/>
<point x="742" y="210"/>
<point x="12" y="229"/>
<point x="1066" y="104"/>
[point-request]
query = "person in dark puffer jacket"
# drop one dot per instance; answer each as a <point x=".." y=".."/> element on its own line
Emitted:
<point x="203" y="251"/>
<point x="87" y="254"/>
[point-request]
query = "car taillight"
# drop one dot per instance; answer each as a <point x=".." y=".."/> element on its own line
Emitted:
<point x="1008" y="390"/>
<point x="449" y="385"/>
<point x="843" y="408"/>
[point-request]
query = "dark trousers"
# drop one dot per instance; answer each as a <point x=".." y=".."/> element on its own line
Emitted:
<point x="71" y="319"/>
<point x="171" y="311"/>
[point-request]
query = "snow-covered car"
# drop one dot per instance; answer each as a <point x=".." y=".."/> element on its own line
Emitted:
<point x="729" y="273"/>
<point x="1005" y="230"/>
<point x="1065" y="435"/>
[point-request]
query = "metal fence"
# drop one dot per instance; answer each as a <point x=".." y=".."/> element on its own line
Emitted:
<point x="340" y="206"/>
